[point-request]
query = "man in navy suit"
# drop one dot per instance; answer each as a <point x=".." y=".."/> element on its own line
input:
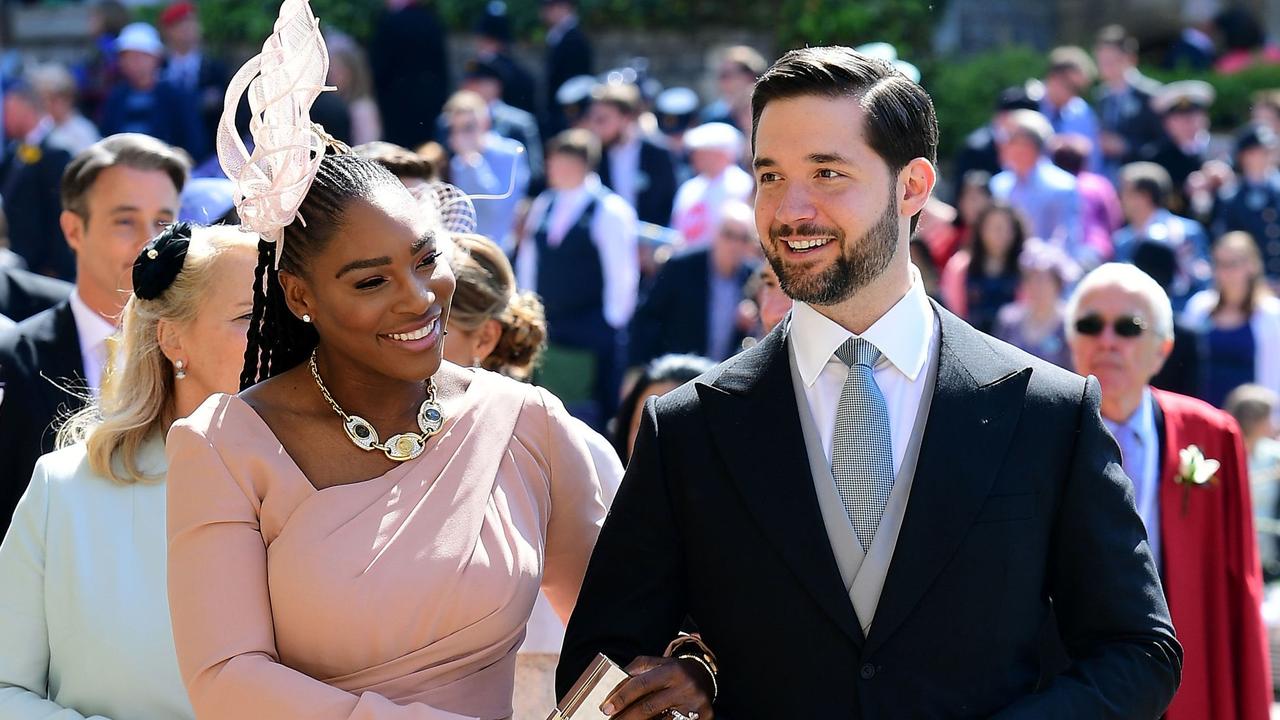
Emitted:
<point x="633" y="166"/>
<point x="30" y="171"/>
<point x="693" y="306"/>
<point x="874" y="512"/>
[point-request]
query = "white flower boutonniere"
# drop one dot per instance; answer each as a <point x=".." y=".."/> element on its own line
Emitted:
<point x="1194" y="470"/>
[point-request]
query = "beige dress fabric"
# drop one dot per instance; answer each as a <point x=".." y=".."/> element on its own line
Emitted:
<point x="403" y="596"/>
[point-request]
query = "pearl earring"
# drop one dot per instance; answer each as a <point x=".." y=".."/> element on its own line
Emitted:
<point x="306" y="318"/>
<point x="181" y="367"/>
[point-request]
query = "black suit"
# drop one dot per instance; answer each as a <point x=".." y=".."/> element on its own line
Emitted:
<point x="40" y="366"/>
<point x="656" y="185"/>
<point x="410" y="62"/>
<point x="1018" y="498"/>
<point x="23" y="294"/>
<point x="29" y="184"/>
<point x="674" y="316"/>
<point x="568" y="58"/>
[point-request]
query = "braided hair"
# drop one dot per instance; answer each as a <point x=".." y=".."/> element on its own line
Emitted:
<point x="278" y="340"/>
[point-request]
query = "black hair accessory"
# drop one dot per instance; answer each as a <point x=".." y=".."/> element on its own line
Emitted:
<point x="160" y="261"/>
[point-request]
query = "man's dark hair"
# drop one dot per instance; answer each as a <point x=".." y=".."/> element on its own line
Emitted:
<point x="901" y="124"/>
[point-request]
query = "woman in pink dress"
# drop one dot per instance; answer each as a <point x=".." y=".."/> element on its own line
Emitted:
<point x="362" y="532"/>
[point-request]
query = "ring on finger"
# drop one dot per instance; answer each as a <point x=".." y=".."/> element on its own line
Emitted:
<point x="677" y="715"/>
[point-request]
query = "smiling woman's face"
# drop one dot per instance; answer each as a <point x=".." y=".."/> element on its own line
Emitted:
<point x="379" y="292"/>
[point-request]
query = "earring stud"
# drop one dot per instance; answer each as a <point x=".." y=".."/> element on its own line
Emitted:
<point x="181" y="368"/>
<point x="306" y="318"/>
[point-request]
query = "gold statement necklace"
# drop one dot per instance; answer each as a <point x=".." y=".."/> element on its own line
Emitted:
<point x="401" y="447"/>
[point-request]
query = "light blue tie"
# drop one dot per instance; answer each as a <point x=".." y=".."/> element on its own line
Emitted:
<point x="861" y="449"/>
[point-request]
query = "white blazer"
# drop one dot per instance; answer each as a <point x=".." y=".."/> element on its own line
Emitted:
<point x="1265" y="324"/>
<point x="84" y="609"/>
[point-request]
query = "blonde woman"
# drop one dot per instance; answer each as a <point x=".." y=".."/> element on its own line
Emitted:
<point x="496" y="328"/>
<point x="84" y="618"/>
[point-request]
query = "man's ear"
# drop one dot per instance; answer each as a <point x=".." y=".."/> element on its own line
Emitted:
<point x="73" y="229"/>
<point x="918" y="180"/>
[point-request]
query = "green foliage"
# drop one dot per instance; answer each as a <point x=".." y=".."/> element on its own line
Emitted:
<point x="907" y="24"/>
<point x="240" y="25"/>
<point x="965" y="91"/>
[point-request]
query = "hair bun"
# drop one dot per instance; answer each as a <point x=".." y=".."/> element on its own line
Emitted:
<point x="160" y="261"/>
<point x="524" y="335"/>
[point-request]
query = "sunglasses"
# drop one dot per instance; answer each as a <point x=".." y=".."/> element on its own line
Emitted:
<point x="1127" y="326"/>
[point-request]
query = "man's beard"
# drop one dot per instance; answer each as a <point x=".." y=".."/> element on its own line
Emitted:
<point x="856" y="267"/>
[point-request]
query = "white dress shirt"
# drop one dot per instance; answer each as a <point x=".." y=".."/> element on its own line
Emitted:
<point x="1140" y="428"/>
<point x="624" y="169"/>
<point x="906" y="339"/>
<point x="93" y="330"/>
<point x="613" y="229"/>
<point x="84" y="609"/>
<point x="696" y="211"/>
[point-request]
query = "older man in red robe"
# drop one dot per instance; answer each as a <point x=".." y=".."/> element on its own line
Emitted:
<point x="1187" y="463"/>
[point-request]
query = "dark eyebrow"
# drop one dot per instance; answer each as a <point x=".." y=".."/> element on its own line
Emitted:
<point x="763" y="162"/>
<point x="828" y="159"/>
<point x="367" y="263"/>
<point x="363" y="264"/>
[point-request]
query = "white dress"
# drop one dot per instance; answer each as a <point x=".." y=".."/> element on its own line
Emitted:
<point x="84" y="613"/>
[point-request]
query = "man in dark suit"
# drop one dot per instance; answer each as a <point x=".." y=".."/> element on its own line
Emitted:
<point x="116" y="195"/>
<point x="693" y="304"/>
<point x="1123" y="100"/>
<point x="493" y="40"/>
<point x="30" y="170"/>
<point x="485" y="79"/>
<point x="1182" y="150"/>
<point x="146" y="102"/>
<point x="410" y="62"/>
<point x="23" y="294"/>
<point x="640" y="170"/>
<point x="568" y="56"/>
<point x="188" y="67"/>
<point x="871" y="513"/>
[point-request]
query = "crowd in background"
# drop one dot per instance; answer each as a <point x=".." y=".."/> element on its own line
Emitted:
<point x="626" y="207"/>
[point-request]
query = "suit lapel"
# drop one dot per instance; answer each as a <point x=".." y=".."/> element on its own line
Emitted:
<point x="976" y="405"/>
<point x="59" y="367"/>
<point x="752" y="405"/>
<point x="700" y="286"/>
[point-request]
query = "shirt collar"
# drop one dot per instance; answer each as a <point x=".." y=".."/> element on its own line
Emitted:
<point x="93" y="328"/>
<point x="1143" y="417"/>
<point x="903" y="334"/>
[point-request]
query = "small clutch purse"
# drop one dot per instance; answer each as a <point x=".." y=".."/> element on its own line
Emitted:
<point x="584" y="699"/>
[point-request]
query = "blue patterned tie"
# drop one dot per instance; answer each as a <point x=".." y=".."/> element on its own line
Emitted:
<point x="861" y="449"/>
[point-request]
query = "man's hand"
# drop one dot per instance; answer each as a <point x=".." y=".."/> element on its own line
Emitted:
<point x="658" y="685"/>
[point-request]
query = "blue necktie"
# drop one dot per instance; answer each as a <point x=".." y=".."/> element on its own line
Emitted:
<point x="861" y="448"/>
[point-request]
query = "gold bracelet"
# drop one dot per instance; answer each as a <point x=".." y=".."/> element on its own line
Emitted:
<point x="686" y="639"/>
<point x="715" y="685"/>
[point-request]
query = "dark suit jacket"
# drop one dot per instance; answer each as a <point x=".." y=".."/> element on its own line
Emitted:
<point x="568" y="58"/>
<point x="23" y="294"/>
<point x="32" y="207"/>
<point x="174" y="117"/>
<point x="673" y="316"/>
<point x="39" y="362"/>
<point x="410" y="63"/>
<point x="657" y="182"/>
<point x="1018" y="500"/>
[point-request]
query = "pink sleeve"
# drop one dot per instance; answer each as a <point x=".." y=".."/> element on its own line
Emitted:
<point x="577" y="508"/>
<point x="221" y="609"/>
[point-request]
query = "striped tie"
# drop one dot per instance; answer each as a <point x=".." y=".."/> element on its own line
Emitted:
<point x="861" y="450"/>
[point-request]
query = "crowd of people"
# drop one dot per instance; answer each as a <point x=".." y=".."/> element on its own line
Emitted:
<point x="609" y="251"/>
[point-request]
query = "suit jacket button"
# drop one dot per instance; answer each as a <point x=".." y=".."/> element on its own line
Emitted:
<point x="868" y="671"/>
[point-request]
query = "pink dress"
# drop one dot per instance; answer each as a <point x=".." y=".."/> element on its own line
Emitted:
<point x="403" y="596"/>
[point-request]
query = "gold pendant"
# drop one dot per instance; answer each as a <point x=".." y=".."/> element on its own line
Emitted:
<point x="405" y="446"/>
